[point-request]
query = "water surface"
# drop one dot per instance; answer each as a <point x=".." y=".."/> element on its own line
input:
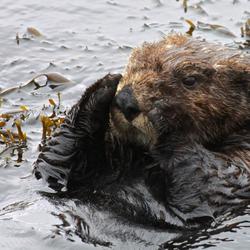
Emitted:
<point x="84" y="40"/>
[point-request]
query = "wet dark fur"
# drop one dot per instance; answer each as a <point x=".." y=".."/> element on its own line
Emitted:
<point x="197" y="165"/>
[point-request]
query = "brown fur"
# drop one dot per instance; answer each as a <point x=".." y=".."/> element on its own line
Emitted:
<point x="218" y="105"/>
<point x="180" y="149"/>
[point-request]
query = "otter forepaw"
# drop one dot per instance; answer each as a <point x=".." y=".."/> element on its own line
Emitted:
<point x="70" y="155"/>
<point x="93" y="107"/>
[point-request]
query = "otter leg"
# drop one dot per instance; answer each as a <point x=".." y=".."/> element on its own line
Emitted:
<point x="75" y="153"/>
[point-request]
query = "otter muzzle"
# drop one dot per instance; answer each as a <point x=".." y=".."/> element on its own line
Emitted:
<point x="126" y="103"/>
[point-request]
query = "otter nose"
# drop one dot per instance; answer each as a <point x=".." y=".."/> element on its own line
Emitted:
<point x="126" y="103"/>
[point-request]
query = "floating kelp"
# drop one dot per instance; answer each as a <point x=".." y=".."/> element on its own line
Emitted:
<point x="52" y="80"/>
<point x="17" y="39"/>
<point x="21" y="135"/>
<point x="24" y="108"/>
<point x="198" y="9"/>
<point x="8" y="137"/>
<point x="185" y="6"/>
<point x="245" y="29"/>
<point x="2" y="123"/>
<point x="7" y="134"/>
<point x="215" y="27"/>
<point x="191" y="28"/>
<point x="30" y="33"/>
<point x="50" y="122"/>
<point x="13" y="139"/>
<point x="210" y="27"/>
<point x="14" y="143"/>
<point x="47" y="123"/>
<point x="245" y="32"/>
<point x="33" y="31"/>
<point x="52" y="102"/>
<point x="53" y="121"/>
<point x="10" y="114"/>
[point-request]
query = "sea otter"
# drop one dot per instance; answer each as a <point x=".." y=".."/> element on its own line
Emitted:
<point x="169" y="138"/>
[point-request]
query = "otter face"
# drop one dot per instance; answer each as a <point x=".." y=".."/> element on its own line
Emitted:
<point x="181" y="86"/>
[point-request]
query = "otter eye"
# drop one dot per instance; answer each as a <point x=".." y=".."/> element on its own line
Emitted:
<point x="189" y="81"/>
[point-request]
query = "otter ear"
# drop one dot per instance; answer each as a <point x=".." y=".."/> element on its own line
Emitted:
<point x="237" y="73"/>
<point x="241" y="78"/>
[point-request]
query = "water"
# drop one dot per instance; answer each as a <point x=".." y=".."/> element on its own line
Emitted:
<point x="83" y="41"/>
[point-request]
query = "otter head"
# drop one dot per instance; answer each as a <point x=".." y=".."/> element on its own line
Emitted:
<point x="181" y="86"/>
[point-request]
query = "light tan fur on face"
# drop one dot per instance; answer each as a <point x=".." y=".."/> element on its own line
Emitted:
<point x="140" y="130"/>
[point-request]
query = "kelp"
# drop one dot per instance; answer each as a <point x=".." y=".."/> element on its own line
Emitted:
<point x="21" y="135"/>
<point x="220" y="29"/>
<point x="185" y="5"/>
<point x="31" y="33"/>
<point x="17" y="39"/>
<point x="14" y="142"/>
<point x="192" y="27"/>
<point x="34" y="32"/>
<point x="14" y="139"/>
<point x="245" y="33"/>
<point x="50" y="122"/>
<point x="10" y="120"/>
<point x="198" y="9"/>
<point x="52" y="80"/>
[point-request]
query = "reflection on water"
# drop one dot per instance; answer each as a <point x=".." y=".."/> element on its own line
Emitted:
<point x="84" y="40"/>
